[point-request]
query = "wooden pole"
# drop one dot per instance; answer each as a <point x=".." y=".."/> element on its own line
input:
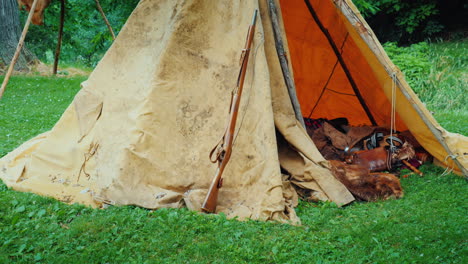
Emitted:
<point x="412" y="168"/>
<point x="284" y="63"/>
<point x="105" y="18"/>
<point x="60" y="34"/>
<point x="18" y="49"/>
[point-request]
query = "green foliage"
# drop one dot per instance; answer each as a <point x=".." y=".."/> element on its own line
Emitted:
<point x="411" y="17"/>
<point x="86" y="37"/>
<point x="411" y="14"/>
<point x="366" y="7"/>
<point x="412" y="60"/>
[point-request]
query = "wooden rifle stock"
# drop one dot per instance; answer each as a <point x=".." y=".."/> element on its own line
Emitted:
<point x="224" y="148"/>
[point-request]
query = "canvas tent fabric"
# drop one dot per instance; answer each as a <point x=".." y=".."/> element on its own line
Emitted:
<point x="140" y="129"/>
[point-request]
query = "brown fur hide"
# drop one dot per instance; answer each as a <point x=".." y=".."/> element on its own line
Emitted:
<point x="364" y="185"/>
<point x="38" y="16"/>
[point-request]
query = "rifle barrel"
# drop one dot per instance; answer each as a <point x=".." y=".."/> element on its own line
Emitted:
<point x="211" y="200"/>
<point x="254" y="19"/>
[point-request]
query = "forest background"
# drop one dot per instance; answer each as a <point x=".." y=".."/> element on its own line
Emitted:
<point x="407" y="29"/>
<point x="86" y="37"/>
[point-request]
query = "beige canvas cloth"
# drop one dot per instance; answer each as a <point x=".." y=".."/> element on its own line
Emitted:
<point x="140" y="130"/>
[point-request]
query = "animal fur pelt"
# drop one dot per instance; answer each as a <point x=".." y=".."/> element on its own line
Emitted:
<point x="406" y="152"/>
<point x="364" y="185"/>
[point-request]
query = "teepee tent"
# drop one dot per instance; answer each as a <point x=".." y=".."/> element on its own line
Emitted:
<point x="140" y="130"/>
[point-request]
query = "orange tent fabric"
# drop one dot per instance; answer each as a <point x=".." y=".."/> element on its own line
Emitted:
<point x="321" y="83"/>
<point x="325" y="92"/>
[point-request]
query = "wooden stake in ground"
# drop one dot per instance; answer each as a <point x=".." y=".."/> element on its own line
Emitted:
<point x="18" y="48"/>
<point x="105" y="18"/>
<point x="59" y="40"/>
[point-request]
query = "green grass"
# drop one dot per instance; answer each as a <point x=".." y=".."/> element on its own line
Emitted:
<point x="429" y="225"/>
<point x="447" y="83"/>
<point x="32" y="105"/>
<point x="455" y="121"/>
<point x="438" y="73"/>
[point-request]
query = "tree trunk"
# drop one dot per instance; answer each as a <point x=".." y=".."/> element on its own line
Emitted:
<point x="10" y="32"/>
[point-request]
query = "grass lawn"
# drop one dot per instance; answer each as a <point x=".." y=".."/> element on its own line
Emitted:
<point x="428" y="225"/>
<point x="32" y="105"/>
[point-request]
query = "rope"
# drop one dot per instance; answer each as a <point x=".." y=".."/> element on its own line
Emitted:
<point x="448" y="169"/>
<point x="393" y="111"/>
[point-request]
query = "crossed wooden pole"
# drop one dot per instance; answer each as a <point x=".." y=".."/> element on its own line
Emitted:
<point x="59" y="40"/>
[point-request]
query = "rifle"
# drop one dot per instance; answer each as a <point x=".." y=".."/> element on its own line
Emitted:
<point x="224" y="147"/>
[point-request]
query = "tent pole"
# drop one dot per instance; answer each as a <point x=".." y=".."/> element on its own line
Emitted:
<point x="60" y="34"/>
<point x="18" y="48"/>
<point x="342" y="63"/>
<point x="98" y="5"/>
<point x="284" y="63"/>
